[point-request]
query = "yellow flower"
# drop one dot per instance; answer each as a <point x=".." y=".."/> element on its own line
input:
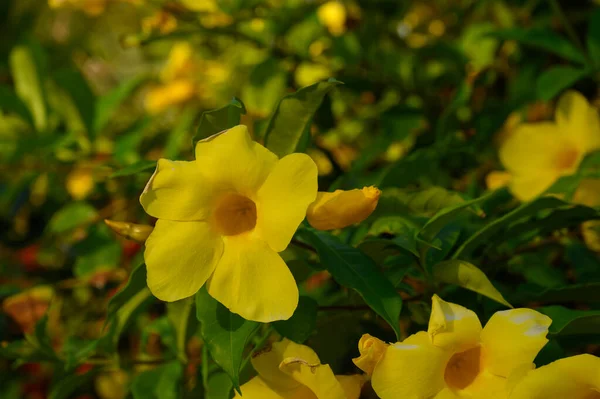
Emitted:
<point x="537" y="154"/>
<point x="222" y="219"/>
<point x="333" y="15"/>
<point x="291" y="371"/>
<point x="371" y="351"/>
<point x="576" y="377"/>
<point x="342" y="208"/>
<point x="456" y="358"/>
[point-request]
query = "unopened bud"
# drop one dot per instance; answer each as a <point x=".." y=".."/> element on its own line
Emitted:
<point x="371" y="351"/>
<point x="342" y="208"/>
<point x="131" y="231"/>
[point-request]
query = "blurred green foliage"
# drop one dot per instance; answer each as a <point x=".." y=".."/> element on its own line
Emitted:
<point x="411" y="96"/>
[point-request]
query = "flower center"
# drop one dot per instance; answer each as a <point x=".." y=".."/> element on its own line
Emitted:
<point x="235" y="214"/>
<point x="594" y="394"/>
<point x="463" y="368"/>
<point x="567" y="159"/>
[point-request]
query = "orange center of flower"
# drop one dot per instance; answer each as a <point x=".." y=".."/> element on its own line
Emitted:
<point x="567" y="159"/>
<point x="463" y="368"/>
<point x="593" y="395"/>
<point x="235" y="214"/>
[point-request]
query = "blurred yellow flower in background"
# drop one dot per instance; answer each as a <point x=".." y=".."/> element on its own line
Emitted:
<point x="342" y="208"/>
<point x="333" y="15"/>
<point x="456" y="358"/>
<point x="80" y="182"/>
<point x="576" y="377"/>
<point x="288" y="370"/>
<point x="222" y="220"/>
<point x="185" y="77"/>
<point x="537" y="154"/>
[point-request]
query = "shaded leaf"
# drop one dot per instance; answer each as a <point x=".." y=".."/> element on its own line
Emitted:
<point x="162" y="382"/>
<point x="567" y="321"/>
<point x="70" y="216"/>
<point x="107" y="105"/>
<point x="301" y="325"/>
<point x="556" y="79"/>
<point x="352" y="268"/>
<point x="293" y="116"/>
<point x="217" y="120"/>
<point x="593" y="37"/>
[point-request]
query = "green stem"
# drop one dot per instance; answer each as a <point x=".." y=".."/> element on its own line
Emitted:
<point x="259" y="344"/>
<point x="204" y="367"/>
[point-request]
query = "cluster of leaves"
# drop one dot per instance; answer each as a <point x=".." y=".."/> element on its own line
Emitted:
<point x="416" y="116"/>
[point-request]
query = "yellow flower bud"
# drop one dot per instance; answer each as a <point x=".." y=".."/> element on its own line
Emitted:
<point x="371" y="351"/>
<point x="131" y="231"/>
<point x="342" y="208"/>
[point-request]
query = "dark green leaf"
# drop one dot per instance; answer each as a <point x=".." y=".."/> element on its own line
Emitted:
<point x="217" y="120"/>
<point x="301" y="325"/>
<point x="65" y="387"/>
<point x="219" y="386"/>
<point x="293" y="117"/>
<point x="582" y="293"/>
<point x="80" y="92"/>
<point x="593" y="37"/>
<point x="135" y="168"/>
<point x="352" y="268"/>
<point x="224" y="333"/>
<point x="567" y="321"/>
<point x="556" y="79"/>
<point x="467" y="275"/>
<point x="10" y="102"/>
<point x="488" y="231"/>
<point x="544" y="39"/>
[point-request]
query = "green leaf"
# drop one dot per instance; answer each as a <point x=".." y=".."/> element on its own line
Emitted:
<point x="65" y="387"/>
<point x="99" y="250"/>
<point x="107" y="105"/>
<point x="556" y="79"/>
<point x="224" y="333"/>
<point x="468" y="276"/>
<point x="352" y="268"/>
<point x="178" y="314"/>
<point x="489" y="230"/>
<point x="593" y="37"/>
<point x="76" y="350"/>
<point x="217" y="120"/>
<point x="80" y="92"/>
<point x="123" y="317"/>
<point x="566" y="322"/>
<point x="293" y="117"/>
<point x="162" y="382"/>
<point x="404" y="231"/>
<point x="134" y="169"/>
<point x="26" y="76"/>
<point x="135" y="284"/>
<point x="71" y="216"/>
<point x="301" y="325"/>
<point x="544" y="39"/>
<point x="219" y="386"/>
<point x="176" y="137"/>
<point x="576" y="293"/>
<point x="10" y="102"/>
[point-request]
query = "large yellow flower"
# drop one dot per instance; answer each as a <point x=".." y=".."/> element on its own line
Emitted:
<point x="222" y="219"/>
<point x="537" y="154"/>
<point x="291" y="371"/>
<point x="456" y="358"/>
<point x="576" y="377"/>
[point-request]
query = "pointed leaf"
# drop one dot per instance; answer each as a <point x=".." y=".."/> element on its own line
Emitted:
<point x="217" y="120"/>
<point x="567" y="321"/>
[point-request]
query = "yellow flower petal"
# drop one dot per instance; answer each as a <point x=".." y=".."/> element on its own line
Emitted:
<point x="253" y="281"/>
<point x="410" y="371"/>
<point x="351" y="384"/>
<point x="267" y="362"/>
<point x="446" y="393"/>
<point x="534" y="148"/>
<point x="284" y="197"/>
<point x="233" y="161"/>
<point x="180" y="256"/>
<point x="579" y="120"/>
<point x="486" y="386"/>
<point x="576" y="377"/>
<point x="319" y="378"/>
<point x="371" y="351"/>
<point x="527" y="187"/>
<point x="257" y="388"/>
<point x="177" y="191"/>
<point x="342" y="208"/>
<point x="453" y="327"/>
<point x="513" y="338"/>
